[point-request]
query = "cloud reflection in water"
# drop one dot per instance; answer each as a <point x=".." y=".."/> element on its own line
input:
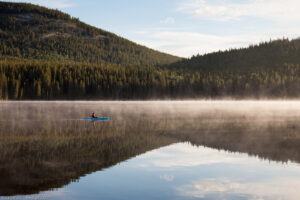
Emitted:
<point x="212" y="174"/>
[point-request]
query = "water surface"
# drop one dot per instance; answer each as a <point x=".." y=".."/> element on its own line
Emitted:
<point x="150" y="150"/>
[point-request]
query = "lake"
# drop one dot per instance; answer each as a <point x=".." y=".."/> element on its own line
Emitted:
<point x="150" y="150"/>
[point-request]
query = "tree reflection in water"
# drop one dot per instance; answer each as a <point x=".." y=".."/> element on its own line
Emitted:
<point x="44" y="151"/>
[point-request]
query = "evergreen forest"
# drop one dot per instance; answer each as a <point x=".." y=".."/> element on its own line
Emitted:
<point x="48" y="55"/>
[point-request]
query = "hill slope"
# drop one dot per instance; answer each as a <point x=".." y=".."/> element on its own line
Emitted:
<point x="33" y="32"/>
<point x="264" y="56"/>
<point x="60" y="57"/>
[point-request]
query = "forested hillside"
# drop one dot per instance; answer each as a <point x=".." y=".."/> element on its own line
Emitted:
<point x="32" y="32"/>
<point x="263" y="56"/>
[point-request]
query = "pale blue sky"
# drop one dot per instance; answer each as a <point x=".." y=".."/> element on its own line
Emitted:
<point x="188" y="27"/>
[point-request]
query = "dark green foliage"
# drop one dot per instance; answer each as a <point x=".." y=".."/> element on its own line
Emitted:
<point x="36" y="80"/>
<point x="41" y="150"/>
<point x="47" y="54"/>
<point x="264" y="56"/>
<point x="50" y="154"/>
<point x="34" y="32"/>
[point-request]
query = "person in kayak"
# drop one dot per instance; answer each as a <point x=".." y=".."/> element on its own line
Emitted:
<point x="93" y="115"/>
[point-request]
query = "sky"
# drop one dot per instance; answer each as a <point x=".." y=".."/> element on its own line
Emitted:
<point x="188" y="27"/>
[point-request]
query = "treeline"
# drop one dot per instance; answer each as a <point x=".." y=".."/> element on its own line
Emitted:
<point x="46" y="80"/>
<point x="51" y="154"/>
<point x="46" y="54"/>
<point x="265" y="55"/>
<point x="33" y="32"/>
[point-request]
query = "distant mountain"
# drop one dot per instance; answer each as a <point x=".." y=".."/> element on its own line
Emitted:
<point x="267" y="55"/>
<point x="32" y="32"/>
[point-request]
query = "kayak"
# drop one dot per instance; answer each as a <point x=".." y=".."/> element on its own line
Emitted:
<point x="97" y="118"/>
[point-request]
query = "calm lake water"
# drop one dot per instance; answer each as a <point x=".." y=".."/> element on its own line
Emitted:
<point x="150" y="150"/>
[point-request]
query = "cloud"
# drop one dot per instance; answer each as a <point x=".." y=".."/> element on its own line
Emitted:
<point x="275" y="10"/>
<point x="168" y="178"/>
<point x="200" y="189"/>
<point x="277" y="188"/>
<point x="168" y="20"/>
<point x="225" y="24"/>
<point x="186" y="155"/>
<point x="186" y="44"/>
<point x="49" y="3"/>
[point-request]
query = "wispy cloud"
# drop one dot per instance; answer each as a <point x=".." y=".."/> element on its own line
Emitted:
<point x="200" y="189"/>
<point x="168" y="178"/>
<point x="225" y="24"/>
<point x="185" y="155"/>
<point x="277" y="188"/>
<point x="49" y="3"/>
<point x="276" y="10"/>
<point x="168" y="20"/>
<point x="187" y="44"/>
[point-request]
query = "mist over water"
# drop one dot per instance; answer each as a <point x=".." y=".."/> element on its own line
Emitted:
<point x="199" y="149"/>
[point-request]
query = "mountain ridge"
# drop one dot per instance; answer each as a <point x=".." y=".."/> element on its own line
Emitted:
<point x="33" y="32"/>
<point x="265" y="55"/>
